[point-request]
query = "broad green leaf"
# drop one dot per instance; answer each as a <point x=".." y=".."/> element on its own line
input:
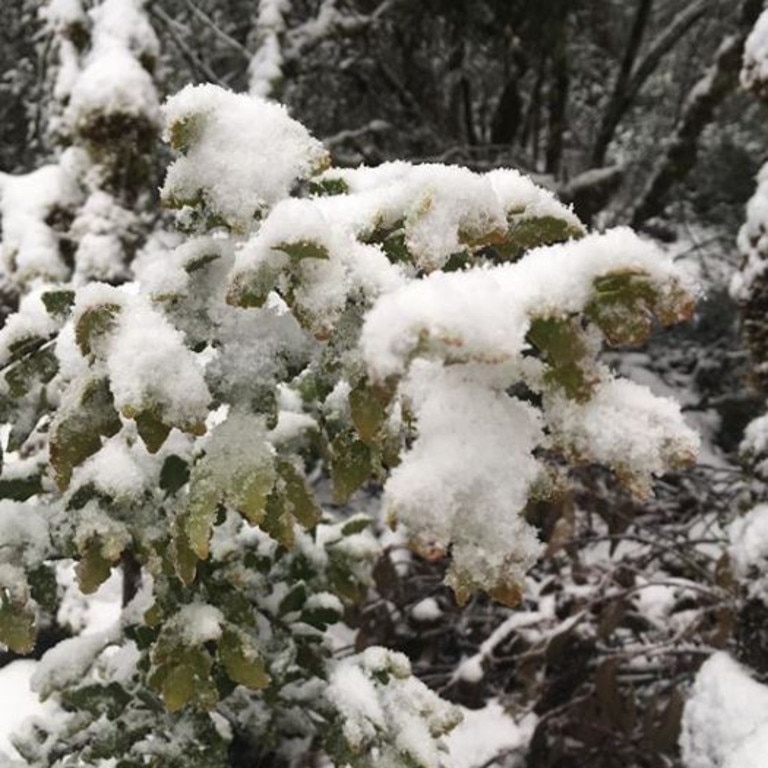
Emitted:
<point x="193" y="265"/>
<point x="356" y="524"/>
<point x="43" y="587"/>
<point x="183" y="558"/>
<point x="294" y="600"/>
<point x="241" y="661"/>
<point x="38" y="367"/>
<point x="351" y="465"/>
<point x="182" y="134"/>
<point x="303" y="249"/>
<point x="328" y="186"/>
<point x="237" y="471"/>
<point x="182" y="676"/>
<point x="58" y="303"/>
<point x="563" y="348"/>
<point x="277" y="521"/>
<point x="532" y="232"/>
<point x="250" y="289"/>
<point x="94" y="567"/>
<point x="299" y="499"/>
<point x="151" y="428"/>
<point x="94" y="322"/>
<point x="24" y="346"/>
<point x="17" y="625"/>
<point x="368" y="411"/>
<point x="174" y="474"/>
<point x="77" y="430"/>
<point x="21" y="488"/>
<point x="621" y="306"/>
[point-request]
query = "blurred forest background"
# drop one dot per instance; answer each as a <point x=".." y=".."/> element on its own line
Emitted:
<point x="632" y="111"/>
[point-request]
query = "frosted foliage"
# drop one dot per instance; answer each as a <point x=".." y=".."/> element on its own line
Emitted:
<point x="749" y="551"/>
<point x="725" y="710"/>
<point x="236" y="181"/>
<point x="442" y="209"/>
<point x="148" y="362"/>
<point x="198" y="623"/>
<point x="444" y="312"/>
<point x="265" y="68"/>
<point x="386" y="712"/>
<point x="753" y="240"/>
<point x="120" y="469"/>
<point x="754" y="73"/>
<point x="30" y="322"/>
<point x="469" y="472"/>
<point x="68" y="662"/>
<point x="30" y="247"/>
<point x="626" y="427"/>
<point x="112" y="81"/>
<point x="23" y="533"/>
<point x="99" y="228"/>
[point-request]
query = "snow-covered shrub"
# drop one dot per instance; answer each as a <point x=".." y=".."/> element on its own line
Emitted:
<point x="419" y="328"/>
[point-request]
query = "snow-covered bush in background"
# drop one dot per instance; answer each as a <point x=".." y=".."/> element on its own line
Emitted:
<point x="724" y="721"/>
<point x="420" y="328"/>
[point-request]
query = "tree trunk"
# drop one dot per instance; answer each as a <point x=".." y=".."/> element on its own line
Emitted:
<point x="698" y="112"/>
<point x="617" y="103"/>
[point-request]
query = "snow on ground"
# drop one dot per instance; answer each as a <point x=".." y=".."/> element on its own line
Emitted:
<point x="487" y="733"/>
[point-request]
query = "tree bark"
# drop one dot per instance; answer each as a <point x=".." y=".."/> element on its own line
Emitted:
<point x="680" y="156"/>
<point x="617" y="103"/>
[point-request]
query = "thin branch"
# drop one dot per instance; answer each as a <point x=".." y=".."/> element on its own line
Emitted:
<point x="197" y="64"/>
<point x="206" y="19"/>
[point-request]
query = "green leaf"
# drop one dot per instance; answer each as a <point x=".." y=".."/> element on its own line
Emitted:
<point x="93" y="568"/>
<point x="182" y="134"/>
<point x="328" y="186"/>
<point x="351" y="465"/>
<point x="151" y="428"/>
<point x="355" y="525"/>
<point x="303" y="249"/>
<point x="174" y="475"/>
<point x="277" y="521"/>
<point x="241" y="661"/>
<point x="76" y="432"/>
<point x="368" y="410"/>
<point x="238" y="471"/>
<point x="193" y="265"/>
<point x="532" y="232"/>
<point x="299" y="500"/>
<point x="94" y="322"/>
<point x="17" y="625"/>
<point x="44" y="588"/>
<point x="183" y="558"/>
<point x="58" y="303"/>
<point x="21" y="488"/>
<point x="563" y="348"/>
<point x="622" y="305"/>
<point x="250" y="289"/>
<point x="182" y="676"/>
<point x="38" y="367"/>
<point x="294" y="600"/>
